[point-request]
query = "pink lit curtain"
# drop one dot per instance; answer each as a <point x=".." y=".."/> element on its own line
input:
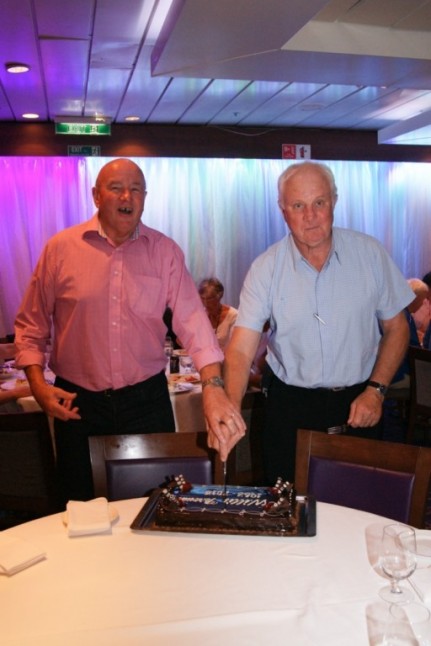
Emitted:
<point x="222" y="212"/>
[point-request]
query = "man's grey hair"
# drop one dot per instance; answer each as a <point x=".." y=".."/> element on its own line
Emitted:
<point x="292" y="170"/>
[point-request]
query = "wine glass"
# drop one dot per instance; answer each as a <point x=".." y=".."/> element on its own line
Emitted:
<point x="397" y="560"/>
<point x="168" y="348"/>
<point x="186" y="363"/>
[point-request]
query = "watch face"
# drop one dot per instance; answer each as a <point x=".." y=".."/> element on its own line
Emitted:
<point x="381" y="388"/>
<point x="215" y="381"/>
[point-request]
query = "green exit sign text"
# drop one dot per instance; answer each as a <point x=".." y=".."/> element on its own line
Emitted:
<point x="82" y="128"/>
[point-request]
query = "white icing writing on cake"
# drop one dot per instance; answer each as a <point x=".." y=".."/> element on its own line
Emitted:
<point x="208" y="501"/>
<point x="238" y="494"/>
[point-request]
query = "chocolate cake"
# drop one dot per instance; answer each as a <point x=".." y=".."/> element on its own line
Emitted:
<point x="262" y="510"/>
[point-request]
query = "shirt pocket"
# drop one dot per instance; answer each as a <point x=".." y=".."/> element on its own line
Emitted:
<point x="145" y="296"/>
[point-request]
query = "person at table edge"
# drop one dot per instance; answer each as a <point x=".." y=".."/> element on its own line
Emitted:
<point x="324" y="291"/>
<point x="104" y="285"/>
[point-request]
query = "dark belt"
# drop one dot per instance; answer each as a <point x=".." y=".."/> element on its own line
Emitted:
<point x="147" y="383"/>
<point x="109" y="392"/>
<point x="337" y="389"/>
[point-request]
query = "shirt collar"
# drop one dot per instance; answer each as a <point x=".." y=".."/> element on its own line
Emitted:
<point x="102" y="233"/>
<point x="298" y="258"/>
<point x="94" y="225"/>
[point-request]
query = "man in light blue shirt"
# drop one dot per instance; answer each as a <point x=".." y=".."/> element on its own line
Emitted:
<point x="327" y="292"/>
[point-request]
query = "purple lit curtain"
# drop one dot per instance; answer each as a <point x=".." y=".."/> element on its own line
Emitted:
<point x="222" y="212"/>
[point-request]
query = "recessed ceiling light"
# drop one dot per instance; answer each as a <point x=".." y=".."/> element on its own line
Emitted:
<point x="132" y="118"/>
<point x="30" y="115"/>
<point x="17" y="68"/>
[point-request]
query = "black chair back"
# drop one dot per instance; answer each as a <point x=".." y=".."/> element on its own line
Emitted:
<point x="28" y="478"/>
<point x="420" y="391"/>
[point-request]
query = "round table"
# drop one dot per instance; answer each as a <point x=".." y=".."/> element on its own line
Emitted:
<point x="163" y="588"/>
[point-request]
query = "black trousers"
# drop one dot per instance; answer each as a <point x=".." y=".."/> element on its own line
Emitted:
<point x="289" y="408"/>
<point x="142" y="408"/>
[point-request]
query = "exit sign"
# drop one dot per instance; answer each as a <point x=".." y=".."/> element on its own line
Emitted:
<point x="84" y="151"/>
<point x="82" y="128"/>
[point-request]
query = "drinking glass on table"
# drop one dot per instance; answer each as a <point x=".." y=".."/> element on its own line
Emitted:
<point x="410" y="624"/>
<point x="186" y="363"/>
<point x="397" y="560"/>
<point x="168" y="348"/>
<point x="392" y="625"/>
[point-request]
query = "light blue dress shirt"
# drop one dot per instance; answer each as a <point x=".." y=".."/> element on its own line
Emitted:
<point x="325" y="330"/>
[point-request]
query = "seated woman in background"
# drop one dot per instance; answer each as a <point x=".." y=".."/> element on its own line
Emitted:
<point x="222" y="316"/>
<point x="420" y="307"/>
<point x="416" y="309"/>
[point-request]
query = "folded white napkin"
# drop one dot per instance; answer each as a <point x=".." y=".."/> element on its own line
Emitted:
<point x="421" y="584"/>
<point x="17" y="554"/>
<point x="91" y="517"/>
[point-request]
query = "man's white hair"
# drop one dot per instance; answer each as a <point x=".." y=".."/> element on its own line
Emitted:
<point x="292" y="170"/>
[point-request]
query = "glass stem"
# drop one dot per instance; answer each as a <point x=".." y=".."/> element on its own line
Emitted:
<point x="395" y="588"/>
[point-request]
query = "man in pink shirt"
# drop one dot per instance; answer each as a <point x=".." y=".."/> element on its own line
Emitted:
<point x="103" y="287"/>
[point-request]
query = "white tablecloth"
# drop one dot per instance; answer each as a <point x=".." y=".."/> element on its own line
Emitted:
<point x="184" y="589"/>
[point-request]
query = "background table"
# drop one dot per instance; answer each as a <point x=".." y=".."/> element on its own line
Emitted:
<point x="163" y="588"/>
<point x="189" y="417"/>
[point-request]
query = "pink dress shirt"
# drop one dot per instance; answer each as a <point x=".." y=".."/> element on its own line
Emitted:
<point x="106" y="305"/>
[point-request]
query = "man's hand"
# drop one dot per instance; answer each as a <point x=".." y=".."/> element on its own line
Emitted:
<point x="366" y="409"/>
<point x="225" y="424"/>
<point x="56" y="402"/>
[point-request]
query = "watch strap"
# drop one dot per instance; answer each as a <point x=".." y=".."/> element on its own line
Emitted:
<point x="213" y="381"/>
<point x="382" y="388"/>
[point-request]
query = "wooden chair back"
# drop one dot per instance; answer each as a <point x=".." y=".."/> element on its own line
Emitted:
<point x="420" y="390"/>
<point x="129" y="466"/>
<point x="387" y="478"/>
<point x="28" y="478"/>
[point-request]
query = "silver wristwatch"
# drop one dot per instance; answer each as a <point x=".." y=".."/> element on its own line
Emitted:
<point x="381" y="388"/>
<point x="213" y="381"/>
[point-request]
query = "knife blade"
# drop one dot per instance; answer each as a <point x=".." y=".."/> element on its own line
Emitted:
<point x="224" y="478"/>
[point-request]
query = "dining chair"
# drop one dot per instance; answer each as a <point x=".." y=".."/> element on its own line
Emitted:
<point x="390" y="479"/>
<point x="28" y="478"/>
<point x="130" y="466"/>
<point x="399" y="398"/>
<point x="420" y="391"/>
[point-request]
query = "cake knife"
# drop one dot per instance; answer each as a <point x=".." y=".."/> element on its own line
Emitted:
<point x="224" y="477"/>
